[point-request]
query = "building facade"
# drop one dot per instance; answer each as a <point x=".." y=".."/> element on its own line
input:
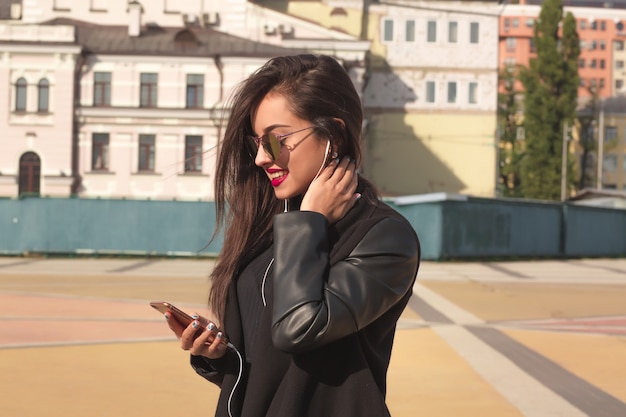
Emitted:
<point x="601" y="32"/>
<point x="431" y="92"/>
<point x="122" y="100"/>
<point x="602" y="72"/>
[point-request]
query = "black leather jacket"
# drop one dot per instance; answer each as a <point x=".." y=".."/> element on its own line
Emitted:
<point x="325" y="337"/>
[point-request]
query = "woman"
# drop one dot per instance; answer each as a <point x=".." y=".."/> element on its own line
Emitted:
<point x="315" y="270"/>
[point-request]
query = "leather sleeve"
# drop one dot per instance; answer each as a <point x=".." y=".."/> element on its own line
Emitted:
<point x="315" y="304"/>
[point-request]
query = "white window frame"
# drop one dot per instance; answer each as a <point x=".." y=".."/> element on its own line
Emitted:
<point x="452" y="88"/>
<point x="428" y="32"/>
<point x="469" y="92"/>
<point x="387" y="21"/>
<point x="427" y="86"/>
<point x="413" y="33"/>
<point x="453" y="34"/>
<point x="471" y="31"/>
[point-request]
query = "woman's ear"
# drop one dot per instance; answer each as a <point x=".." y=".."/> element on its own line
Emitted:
<point x="340" y="121"/>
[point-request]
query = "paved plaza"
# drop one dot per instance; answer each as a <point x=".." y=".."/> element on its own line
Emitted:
<point x="543" y="338"/>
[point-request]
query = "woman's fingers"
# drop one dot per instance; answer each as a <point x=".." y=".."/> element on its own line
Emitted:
<point x="174" y="325"/>
<point x="333" y="194"/>
<point x="209" y="344"/>
<point x="202" y="340"/>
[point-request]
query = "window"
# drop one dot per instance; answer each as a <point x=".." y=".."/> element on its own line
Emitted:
<point x="583" y="24"/>
<point x="451" y="92"/>
<point x="43" y="94"/>
<point x="507" y="23"/>
<point x="602" y="63"/>
<point x="581" y="82"/>
<point x="100" y="152"/>
<point x="510" y="44"/>
<point x="619" y="84"/>
<point x="531" y="45"/>
<point x="148" y="90"/>
<point x="602" y="45"/>
<point x="593" y="25"/>
<point x="102" y="89"/>
<point x="193" y="153"/>
<point x="581" y="63"/>
<point x="619" y="64"/>
<point x="409" y="34"/>
<point x="388" y="30"/>
<point x="610" y="133"/>
<point x="515" y="22"/>
<point x="582" y="44"/>
<point x="146" y="153"/>
<point x="430" y="91"/>
<point x="619" y="45"/>
<point x="473" y="93"/>
<point x="509" y="61"/>
<point x="530" y="22"/>
<point x="474" y="32"/>
<point x="593" y="45"/>
<point x="609" y="163"/>
<point x="593" y="64"/>
<point x="452" y="32"/>
<point x="603" y="25"/>
<point x="195" y="91"/>
<point x="20" y="94"/>
<point x="601" y="83"/>
<point x="431" y="35"/>
<point x="30" y="174"/>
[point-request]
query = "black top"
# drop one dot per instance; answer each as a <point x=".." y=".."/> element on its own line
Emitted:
<point x="251" y="290"/>
<point x="334" y="295"/>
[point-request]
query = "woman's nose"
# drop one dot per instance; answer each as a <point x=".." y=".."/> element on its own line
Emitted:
<point x="262" y="158"/>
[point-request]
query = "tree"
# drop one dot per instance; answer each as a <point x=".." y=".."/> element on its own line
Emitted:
<point x="551" y="85"/>
<point x="510" y="152"/>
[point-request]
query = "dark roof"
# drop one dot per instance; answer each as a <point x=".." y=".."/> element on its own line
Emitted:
<point x="5" y="8"/>
<point x="166" y="41"/>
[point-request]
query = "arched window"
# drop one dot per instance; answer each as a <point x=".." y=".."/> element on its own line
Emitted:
<point x="43" y="89"/>
<point x="30" y="174"/>
<point x="20" y="94"/>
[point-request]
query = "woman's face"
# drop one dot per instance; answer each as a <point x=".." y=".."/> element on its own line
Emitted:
<point x="301" y="154"/>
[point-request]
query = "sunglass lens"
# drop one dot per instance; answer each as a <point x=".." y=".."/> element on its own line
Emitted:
<point x="271" y="144"/>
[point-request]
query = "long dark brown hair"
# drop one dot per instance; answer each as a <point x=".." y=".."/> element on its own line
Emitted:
<point x="318" y="89"/>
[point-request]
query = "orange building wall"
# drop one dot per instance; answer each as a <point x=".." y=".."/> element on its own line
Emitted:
<point x="604" y="35"/>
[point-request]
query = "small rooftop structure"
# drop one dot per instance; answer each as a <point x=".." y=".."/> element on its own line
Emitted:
<point x="600" y="198"/>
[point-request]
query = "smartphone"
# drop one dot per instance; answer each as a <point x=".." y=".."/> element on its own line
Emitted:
<point x="182" y="317"/>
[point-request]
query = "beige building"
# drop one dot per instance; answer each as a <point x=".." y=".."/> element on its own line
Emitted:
<point x="431" y="90"/>
<point x="609" y="171"/>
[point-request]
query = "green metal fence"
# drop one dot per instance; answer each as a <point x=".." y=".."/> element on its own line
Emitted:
<point x="449" y="227"/>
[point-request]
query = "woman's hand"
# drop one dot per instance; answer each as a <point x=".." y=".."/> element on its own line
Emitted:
<point x="200" y="338"/>
<point x="332" y="193"/>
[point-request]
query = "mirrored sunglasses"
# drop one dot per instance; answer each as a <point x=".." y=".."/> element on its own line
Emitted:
<point x="272" y="142"/>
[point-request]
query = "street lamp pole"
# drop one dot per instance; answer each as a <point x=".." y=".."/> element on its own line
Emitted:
<point x="564" y="162"/>
<point x="600" y="150"/>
